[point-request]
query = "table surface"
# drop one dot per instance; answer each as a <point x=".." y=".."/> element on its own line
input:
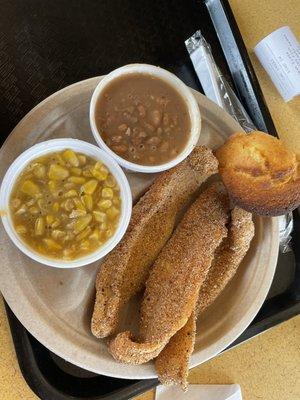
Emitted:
<point x="266" y="367"/>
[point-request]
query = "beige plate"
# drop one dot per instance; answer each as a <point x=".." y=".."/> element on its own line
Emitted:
<point x="55" y="305"/>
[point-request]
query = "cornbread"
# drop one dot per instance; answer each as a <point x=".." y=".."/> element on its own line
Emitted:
<point x="176" y="277"/>
<point x="125" y="270"/>
<point x="260" y="174"/>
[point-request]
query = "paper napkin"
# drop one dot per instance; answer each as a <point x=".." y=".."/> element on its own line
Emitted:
<point x="200" y="392"/>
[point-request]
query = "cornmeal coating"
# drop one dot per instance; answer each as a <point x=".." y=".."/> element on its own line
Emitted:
<point x="173" y="285"/>
<point x="172" y="364"/>
<point x="125" y="270"/>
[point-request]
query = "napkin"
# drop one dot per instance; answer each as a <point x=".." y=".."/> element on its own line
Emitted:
<point x="200" y="392"/>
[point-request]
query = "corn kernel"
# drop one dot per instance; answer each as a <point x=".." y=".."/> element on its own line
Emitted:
<point x="112" y="212"/>
<point x="60" y="160"/>
<point x="70" y="193"/>
<point x="33" y="210"/>
<point x="87" y="201"/>
<point x="49" y="219"/>
<point x="71" y="157"/>
<point x="82" y="159"/>
<point x="84" y="245"/>
<point x="86" y="232"/>
<point x="89" y="187"/>
<point x="110" y="181"/>
<point x="99" y="216"/>
<point x="57" y="172"/>
<point x="104" y="204"/>
<point x="57" y="234"/>
<point x="39" y="227"/>
<point x="82" y="222"/>
<point x="78" y="204"/>
<point x="107" y="193"/>
<point x="87" y="173"/>
<point x="21" y="229"/>
<point x="52" y="245"/>
<point x="30" y="188"/>
<point x="100" y="175"/>
<point x="94" y="235"/>
<point x="52" y="186"/>
<point x="76" y="179"/>
<point x="76" y="171"/>
<point x="55" y="207"/>
<point x="39" y="171"/>
<point x="77" y="213"/>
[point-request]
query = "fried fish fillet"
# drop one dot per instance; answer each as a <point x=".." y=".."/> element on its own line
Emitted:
<point x="124" y="271"/>
<point x="173" y="285"/>
<point x="173" y="362"/>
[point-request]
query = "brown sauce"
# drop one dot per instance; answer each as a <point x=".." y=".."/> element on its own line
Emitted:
<point x="143" y="119"/>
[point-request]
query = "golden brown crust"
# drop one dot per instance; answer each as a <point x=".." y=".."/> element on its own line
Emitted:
<point x="172" y="363"/>
<point x="227" y="258"/>
<point x="125" y="269"/>
<point x="174" y="281"/>
<point x="260" y="174"/>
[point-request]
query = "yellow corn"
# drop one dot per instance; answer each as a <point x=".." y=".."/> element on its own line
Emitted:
<point x="57" y="172"/>
<point x="57" y="234"/>
<point x="76" y="179"/>
<point x="77" y="213"/>
<point x="82" y="159"/>
<point x="68" y="204"/>
<point x="71" y="157"/>
<point x="33" y="210"/>
<point x="107" y="193"/>
<point x="39" y="171"/>
<point x="87" y="173"/>
<point x="21" y="229"/>
<point x="104" y="204"/>
<point x="70" y="193"/>
<point x="87" y="201"/>
<point x="60" y="160"/>
<point x="89" y="187"/>
<point x="39" y="227"/>
<point x="30" y="188"/>
<point x="51" y="244"/>
<point x="99" y="216"/>
<point x="78" y="204"/>
<point x="110" y="181"/>
<point x="76" y="171"/>
<point x="100" y="175"/>
<point x="55" y="207"/>
<point x="112" y="212"/>
<point x="83" y="234"/>
<point x="94" y="235"/>
<point x="82" y="222"/>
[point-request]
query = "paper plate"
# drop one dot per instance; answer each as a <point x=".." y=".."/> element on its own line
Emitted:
<point x="56" y="305"/>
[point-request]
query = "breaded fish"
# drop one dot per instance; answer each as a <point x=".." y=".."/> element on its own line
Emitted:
<point x="125" y="270"/>
<point x="173" y="362"/>
<point x="173" y="285"/>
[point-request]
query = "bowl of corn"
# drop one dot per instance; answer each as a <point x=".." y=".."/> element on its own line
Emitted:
<point x="65" y="203"/>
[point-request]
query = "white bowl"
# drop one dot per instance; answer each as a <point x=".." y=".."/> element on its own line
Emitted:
<point x="47" y="147"/>
<point x="173" y="81"/>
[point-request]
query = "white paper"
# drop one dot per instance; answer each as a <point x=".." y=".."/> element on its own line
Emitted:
<point x="279" y="54"/>
<point x="200" y="392"/>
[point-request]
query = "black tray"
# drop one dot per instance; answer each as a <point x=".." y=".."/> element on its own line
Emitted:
<point x="46" y="46"/>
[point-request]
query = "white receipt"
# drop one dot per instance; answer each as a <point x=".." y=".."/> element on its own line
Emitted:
<point x="200" y="392"/>
<point x="279" y="54"/>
